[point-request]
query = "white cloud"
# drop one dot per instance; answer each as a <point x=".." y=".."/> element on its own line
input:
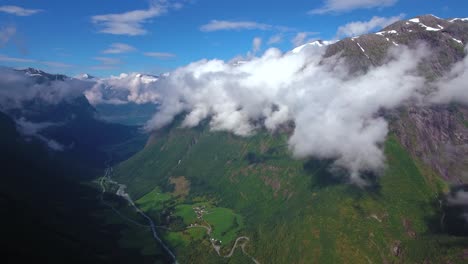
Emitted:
<point x="454" y="86"/>
<point x="275" y="39"/>
<point x="331" y="6"/>
<point x="301" y="38"/>
<point x="160" y="55"/>
<point x="335" y="114"/>
<point x="118" y="48"/>
<point x="362" y="27"/>
<point x="129" y="23"/>
<point x="122" y="89"/>
<point x="216" y="25"/>
<point x="6" y="33"/>
<point x="18" y="11"/>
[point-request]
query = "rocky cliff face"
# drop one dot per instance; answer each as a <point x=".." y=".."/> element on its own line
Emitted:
<point x="436" y="135"/>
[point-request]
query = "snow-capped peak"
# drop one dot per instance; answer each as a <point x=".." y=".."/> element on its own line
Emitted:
<point x="317" y="43"/>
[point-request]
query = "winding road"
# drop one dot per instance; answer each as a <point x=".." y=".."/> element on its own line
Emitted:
<point x="218" y="248"/>
<point x="122" y="193"/>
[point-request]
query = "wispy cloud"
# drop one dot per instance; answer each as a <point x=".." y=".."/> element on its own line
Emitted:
<point x="160" y="55"/>
<point x="5" y="58"/>
<point x="275" y="39"/>
<point x="256" y="44"/>
<point x="18" y="11"/>
<point x="106" y="63"/>
<point x="6" y="33"/>
<point x="217" y="25"/>
<point x="362" y="27"/>
<point x="53" y="64"/>
<point x="338" y="6"/>
<point x="118" y="48"/>
<point x="129" y="23"/>
<point x="56" y="64"/>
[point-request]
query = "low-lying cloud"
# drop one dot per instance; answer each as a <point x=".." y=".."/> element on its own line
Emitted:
<point x="123" y="89"/>
<point x="30" y="129"/>
<point x="335" y="114"/>
<point x="454" y="86"/>
<point x="17" y="87"/>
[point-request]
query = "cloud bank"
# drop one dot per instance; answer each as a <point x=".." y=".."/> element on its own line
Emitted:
<point x="123" y="89"/>
<point x="16" y="87"/>
<point x="335" y="114"/>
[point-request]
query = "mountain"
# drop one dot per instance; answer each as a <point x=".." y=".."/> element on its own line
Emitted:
<point x="424" y="131"/>
<point x="222" y="198"/>
<point x="65" y="118"/>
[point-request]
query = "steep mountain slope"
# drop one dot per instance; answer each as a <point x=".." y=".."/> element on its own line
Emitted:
<point x="221" y="198"/>
<point x="437" y="135"/>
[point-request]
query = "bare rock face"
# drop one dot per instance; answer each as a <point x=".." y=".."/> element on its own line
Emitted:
<point x="437" y="135"/>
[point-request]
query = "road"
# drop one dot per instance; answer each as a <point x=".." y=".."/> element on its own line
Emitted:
<point x="218" y="248"/>
<point x="121" y="192"/>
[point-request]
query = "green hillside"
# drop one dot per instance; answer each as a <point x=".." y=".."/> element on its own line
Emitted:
<point x="291" y="211"/>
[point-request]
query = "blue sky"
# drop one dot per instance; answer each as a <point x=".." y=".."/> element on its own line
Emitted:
<point x="107" y="37"/>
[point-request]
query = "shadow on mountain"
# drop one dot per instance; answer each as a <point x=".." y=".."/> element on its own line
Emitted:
<point x="321" y="175"/>
<point x="324" y="175"/>
<point x="451" y="216"/>
<point x="48" y="216"/>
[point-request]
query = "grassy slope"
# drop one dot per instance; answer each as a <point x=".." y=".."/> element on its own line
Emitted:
<point x="294" y="211"/>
